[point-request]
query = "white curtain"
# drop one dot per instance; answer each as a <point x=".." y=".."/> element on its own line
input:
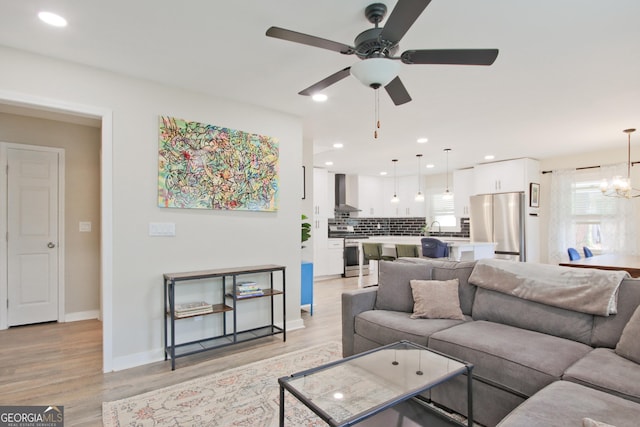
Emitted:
<point x="617" y="221"/>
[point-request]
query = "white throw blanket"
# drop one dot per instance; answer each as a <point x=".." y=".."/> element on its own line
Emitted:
<point x="586" y="290"/>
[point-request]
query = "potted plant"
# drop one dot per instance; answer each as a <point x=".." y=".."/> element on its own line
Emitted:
<point x="306" y="229"/>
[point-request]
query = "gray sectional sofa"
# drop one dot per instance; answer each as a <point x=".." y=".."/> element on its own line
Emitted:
<point x="537" y="362"/>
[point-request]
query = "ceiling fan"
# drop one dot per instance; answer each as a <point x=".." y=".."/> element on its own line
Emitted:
<point x="377" y="46"/>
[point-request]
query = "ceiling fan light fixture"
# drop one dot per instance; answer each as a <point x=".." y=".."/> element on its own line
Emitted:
<point x="375" y="72"/>
<point x="319" y="97"/>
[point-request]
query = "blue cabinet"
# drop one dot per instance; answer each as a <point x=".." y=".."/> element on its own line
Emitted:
<point x="306" y="291"/>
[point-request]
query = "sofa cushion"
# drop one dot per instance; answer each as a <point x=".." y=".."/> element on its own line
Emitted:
<point x="629" y="344"/>
<point x="436" y="299"/>
<point x="394" y="289"/>
<point x="564" y="404"/>
<point x="604" y="370"/>
<point x="386" y="327"/>
<point x="510" y="310"/>
<point x="512" y="358"/>
<point x="607" y="329"/>
<point x="448" y="270"/>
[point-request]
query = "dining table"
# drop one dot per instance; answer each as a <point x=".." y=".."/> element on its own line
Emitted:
<point x="629" y="263"/>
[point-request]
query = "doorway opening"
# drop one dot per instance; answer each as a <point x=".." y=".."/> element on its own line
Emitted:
<point x="67" y="112"/>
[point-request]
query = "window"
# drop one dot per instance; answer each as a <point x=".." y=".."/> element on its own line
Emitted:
<point x="588" y="208"/>
<point x="580" y="215"/>
<point x="441" y="210"/>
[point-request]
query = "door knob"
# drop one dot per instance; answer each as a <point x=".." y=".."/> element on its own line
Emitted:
<point x="51" y="245"/>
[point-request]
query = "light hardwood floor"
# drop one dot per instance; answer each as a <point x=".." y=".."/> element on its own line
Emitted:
<point x="61" y="363"/>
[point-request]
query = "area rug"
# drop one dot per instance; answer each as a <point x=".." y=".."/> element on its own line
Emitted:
<point x="244" y="396"/>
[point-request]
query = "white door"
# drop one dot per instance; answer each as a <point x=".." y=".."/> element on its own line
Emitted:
<point x="32" y="224"/>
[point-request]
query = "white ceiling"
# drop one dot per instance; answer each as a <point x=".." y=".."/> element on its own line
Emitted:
<point x="566" y="79"/>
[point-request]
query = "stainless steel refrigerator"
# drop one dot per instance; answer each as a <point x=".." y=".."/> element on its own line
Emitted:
<point x="499" y="218"/>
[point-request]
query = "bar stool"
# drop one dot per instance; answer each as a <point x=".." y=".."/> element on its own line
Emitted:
<point x="373" y="252"/>
<point x="407" y="251"/>
<point x="434" y="248"/>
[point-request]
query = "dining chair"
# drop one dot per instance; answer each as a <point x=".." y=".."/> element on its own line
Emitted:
<point x="573" y="254"/>
<point x="587" y="252"/>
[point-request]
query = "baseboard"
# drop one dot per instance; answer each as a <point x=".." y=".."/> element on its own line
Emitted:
<point x="143" y="358"/>
<point x="82" y="315"/>
<point x="137" y="359"/>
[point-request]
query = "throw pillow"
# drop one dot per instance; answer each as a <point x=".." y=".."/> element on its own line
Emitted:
<point x="588" y="422"/>
<point x="436" y="299"/>
<point x="629" y="344"/>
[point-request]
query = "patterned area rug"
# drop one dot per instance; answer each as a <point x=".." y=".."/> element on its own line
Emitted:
<point x="244" y="396"/>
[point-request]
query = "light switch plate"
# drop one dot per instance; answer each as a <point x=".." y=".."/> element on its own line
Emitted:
<point x="85" y="226"/>
<point x="163" y="229"/>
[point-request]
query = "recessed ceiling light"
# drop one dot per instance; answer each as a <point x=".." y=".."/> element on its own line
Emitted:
<point x="489" y="157"/>
<point x="319" y="97"/>
<point x="423" y="140"/>
<point x="430" y="165"/>
<point x="338" y="145"/>
<point x="329" y="163"/>
<point x="52" y="19"/>
<point x="383" y="173"/>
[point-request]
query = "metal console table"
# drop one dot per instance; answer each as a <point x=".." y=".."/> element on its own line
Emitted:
<point x="171" y="280"/>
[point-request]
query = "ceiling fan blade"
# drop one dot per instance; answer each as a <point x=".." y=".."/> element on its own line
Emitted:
<point x="325" y="83"/>
<point x="450" y="56"/>
<point x="402" y="17"/>
<point x="294" y="36"/>
<point x="397" y="92"/>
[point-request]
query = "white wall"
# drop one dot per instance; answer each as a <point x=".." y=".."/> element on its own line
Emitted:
<point x="205" y="239"/>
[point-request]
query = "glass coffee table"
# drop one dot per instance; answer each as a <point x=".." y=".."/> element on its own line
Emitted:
<point x="372" y="387"/>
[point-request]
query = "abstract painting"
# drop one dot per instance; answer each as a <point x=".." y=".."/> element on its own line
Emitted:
<point x="203" y="166"/>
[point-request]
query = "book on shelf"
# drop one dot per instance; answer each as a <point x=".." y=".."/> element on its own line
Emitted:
<point x="192" y="308"/>
<point x="247" y="294"/>
<point x="179" y="314"/>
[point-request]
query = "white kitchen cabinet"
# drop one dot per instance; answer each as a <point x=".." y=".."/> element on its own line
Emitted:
<point x="323" y="193"/>
<point x="505" y="177"/>
<point x="463" y="188"/>
<point x="335" y="256"/>
<point x="364" y="192"/>
<point x="328" y="255"/>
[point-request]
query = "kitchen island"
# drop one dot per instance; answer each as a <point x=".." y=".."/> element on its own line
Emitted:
<point x="460" y="249"/>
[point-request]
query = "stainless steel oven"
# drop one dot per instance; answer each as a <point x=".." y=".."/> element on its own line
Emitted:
<point x="351" y="259"/>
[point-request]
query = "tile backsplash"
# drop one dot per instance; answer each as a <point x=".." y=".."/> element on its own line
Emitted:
<point x="386" y="226"/>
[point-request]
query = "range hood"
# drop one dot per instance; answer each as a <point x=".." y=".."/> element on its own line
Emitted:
<point x="341" y="195"/>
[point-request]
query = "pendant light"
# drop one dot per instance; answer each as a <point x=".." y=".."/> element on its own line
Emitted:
<point x="447" y="194"/>
<point x="419" y="196"/>
<point x="395" y="198"/>
<point x="618" y="186"/>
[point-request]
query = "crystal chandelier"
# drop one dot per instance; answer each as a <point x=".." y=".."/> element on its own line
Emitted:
<point x="619" y="186"/>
